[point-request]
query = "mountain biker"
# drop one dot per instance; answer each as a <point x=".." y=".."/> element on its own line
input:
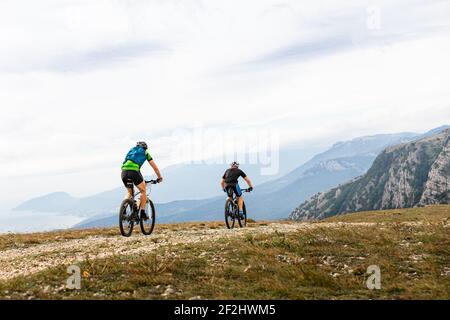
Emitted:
<point x="230" y="184"/>
<point x="131" y="172"/>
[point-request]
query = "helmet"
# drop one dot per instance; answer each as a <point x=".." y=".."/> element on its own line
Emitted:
<point x="234" y="164"/>
<point x="142" y="144"/>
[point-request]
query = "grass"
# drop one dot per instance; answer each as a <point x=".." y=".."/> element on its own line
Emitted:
<point x="324" y="262"/>
<point x="429" y="214"/>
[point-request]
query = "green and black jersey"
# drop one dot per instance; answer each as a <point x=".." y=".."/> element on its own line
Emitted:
<point x="133" y="166"/>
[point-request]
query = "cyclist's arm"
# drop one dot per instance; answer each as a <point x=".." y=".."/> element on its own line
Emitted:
<point x="155" y="168"/>
<point x="249" y="182"/>
<point x="222" y="183"/>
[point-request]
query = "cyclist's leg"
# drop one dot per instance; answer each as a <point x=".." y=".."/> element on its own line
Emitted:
<point x="129" y="194"/>
<point x="230" y="191"/>
<point x="239" y="197"/>
<point x="143" y="196"/>
<point x="143" y="189"/>
<point x="126" y="181"/>
<point x="241" y="203"/>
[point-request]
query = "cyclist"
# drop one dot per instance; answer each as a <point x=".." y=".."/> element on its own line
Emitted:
<point x="131" y="172"/>
<point x="230" y="184"/>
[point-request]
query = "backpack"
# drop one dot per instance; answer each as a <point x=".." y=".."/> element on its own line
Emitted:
<point x="228" y="176"/>
<point x="137" y="155"/>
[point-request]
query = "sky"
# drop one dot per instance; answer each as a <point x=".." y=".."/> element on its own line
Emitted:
<point x="82" y="80"/>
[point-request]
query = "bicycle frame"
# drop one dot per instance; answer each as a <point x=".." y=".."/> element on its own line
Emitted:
<point x="234" y="198"/>
<point x="149" y="189"/>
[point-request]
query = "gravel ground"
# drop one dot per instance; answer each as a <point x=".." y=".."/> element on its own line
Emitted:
<point x="29" y="260"/>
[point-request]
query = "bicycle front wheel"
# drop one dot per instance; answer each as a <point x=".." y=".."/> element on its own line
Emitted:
<point x="148" y="222"/>
<point x="229" y="214"/>
<point x="126" y="222"/>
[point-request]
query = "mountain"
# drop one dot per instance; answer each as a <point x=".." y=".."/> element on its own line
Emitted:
<point x="59" y="201"/>
<point x="277" y="198"/>
<point x="433" y="132"/>
<point x="367" y="146"/>
<point x="403" y="176"/>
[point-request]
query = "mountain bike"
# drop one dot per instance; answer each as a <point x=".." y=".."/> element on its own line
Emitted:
<point x="129" y="213"/>
<point x="232" y="212"/>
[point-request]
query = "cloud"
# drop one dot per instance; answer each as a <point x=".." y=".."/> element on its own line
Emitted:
<point x="361" y="25"/>
<point x="115" y="55"/>
<point x="303" y="51"/>
<point x="82" y="80"/>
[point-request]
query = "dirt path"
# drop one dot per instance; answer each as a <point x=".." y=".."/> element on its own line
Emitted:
<point x="25" y="261"/>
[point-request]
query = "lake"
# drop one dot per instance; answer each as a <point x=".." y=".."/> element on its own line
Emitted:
<point x="27" y="221"/>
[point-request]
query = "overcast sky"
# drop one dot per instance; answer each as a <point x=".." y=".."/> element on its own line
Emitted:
<point x="81" y="81"/>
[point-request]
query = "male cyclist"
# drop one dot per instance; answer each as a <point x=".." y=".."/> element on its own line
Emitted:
<point x="230" y="184"/>
<point x="131" y="172"/>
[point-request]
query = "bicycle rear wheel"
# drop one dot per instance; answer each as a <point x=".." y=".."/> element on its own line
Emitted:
<point x="243" y="221"/>
<point x="148" y="224"/>
<point x="126" y="222"/>
<point x="229" y="214"/>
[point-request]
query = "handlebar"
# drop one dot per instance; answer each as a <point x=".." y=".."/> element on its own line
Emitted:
<point x="151" y="181"/>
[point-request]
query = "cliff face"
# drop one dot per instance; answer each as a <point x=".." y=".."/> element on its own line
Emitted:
<point x="407" y="175"/>
<point x="438" y="184"/>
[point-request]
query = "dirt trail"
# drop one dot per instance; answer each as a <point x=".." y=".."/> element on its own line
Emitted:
<point x="25" y="261"/>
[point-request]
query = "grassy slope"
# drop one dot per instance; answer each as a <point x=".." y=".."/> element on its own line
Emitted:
<point x="411" y="246"/>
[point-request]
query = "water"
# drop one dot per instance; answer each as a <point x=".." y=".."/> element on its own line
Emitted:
<point x="27" y="221"/>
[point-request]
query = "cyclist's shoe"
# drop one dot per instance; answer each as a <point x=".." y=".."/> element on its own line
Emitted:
<point x="144" y="215"/>
<point x="241" y="214"/>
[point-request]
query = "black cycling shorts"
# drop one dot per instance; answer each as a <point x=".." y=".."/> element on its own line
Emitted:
<point x="132" y="176"/>
<point x="233" y="188"/>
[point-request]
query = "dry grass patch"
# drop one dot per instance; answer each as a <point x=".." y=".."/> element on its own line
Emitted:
<point x="320" y="263"/>
<point x="428" y="214"/>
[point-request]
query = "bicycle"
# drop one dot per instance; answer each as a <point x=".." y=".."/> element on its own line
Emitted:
<point x="129" y="213"/>
<point x="232" y="211"/>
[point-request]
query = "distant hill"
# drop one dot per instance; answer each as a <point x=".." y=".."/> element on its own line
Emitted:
<point x="59" y="201"/>
<point x="411" y="174"/>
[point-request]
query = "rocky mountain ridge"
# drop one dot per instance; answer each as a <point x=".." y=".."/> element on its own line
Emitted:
<point x="411" y="174"/>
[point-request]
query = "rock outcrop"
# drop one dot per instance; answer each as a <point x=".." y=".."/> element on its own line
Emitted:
<point x="403" y="176"/>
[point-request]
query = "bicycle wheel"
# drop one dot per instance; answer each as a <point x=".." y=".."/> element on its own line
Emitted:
<point x="126" y="223"/>
<point x="148" y="224"/>
<point x="243" y="221"/>
<point x="229" y="214"/>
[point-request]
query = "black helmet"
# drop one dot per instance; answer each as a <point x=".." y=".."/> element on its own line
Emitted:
<point x="234" y="164"/>
<point x="142" y="144"/>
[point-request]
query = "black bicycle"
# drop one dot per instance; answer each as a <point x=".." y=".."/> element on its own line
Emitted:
<point x="130" y="214"/>
<point x="232" y="211"/>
